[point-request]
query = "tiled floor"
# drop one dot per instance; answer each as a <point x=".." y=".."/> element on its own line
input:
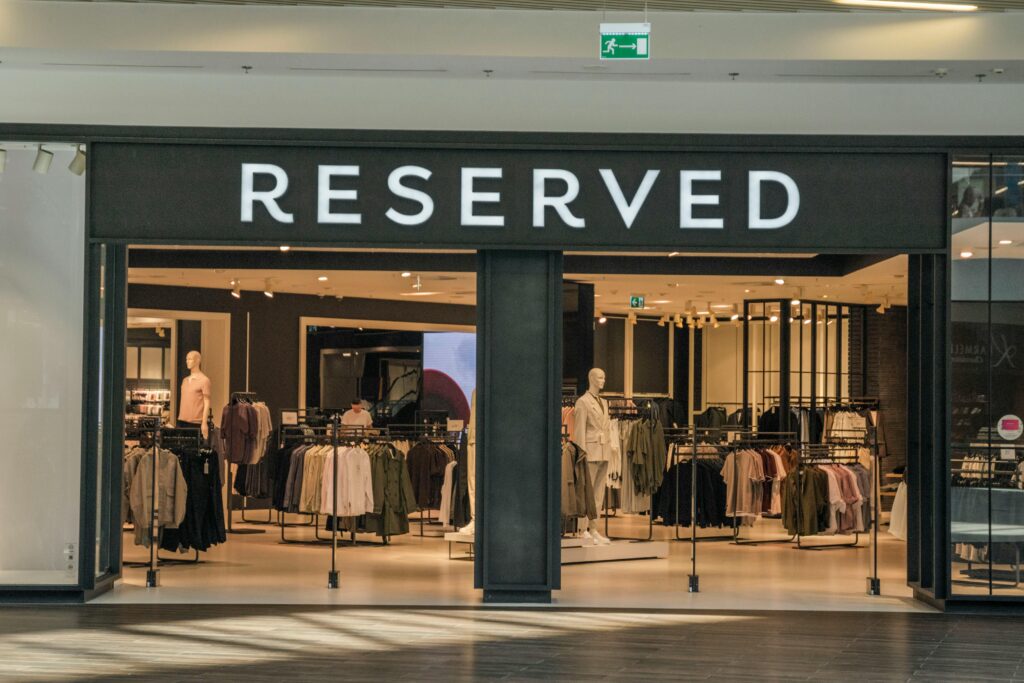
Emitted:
<point x="255" y="643"/>
<point x="416" y="571"/>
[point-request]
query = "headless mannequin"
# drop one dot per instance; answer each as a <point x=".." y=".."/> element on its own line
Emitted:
<point x="593" y="434"/>
<point x="194" y="398"/>
<point x="470" y="528"/>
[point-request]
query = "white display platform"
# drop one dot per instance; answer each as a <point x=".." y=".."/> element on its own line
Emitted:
<point x="618" y="550"/>
<point x="458" y="537"/>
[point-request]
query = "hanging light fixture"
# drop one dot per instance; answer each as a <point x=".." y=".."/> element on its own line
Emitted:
<point x="77" y="165"/>
<point x="43" y="160"/>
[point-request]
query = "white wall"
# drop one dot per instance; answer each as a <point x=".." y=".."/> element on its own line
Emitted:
<point x="365" y="68"/>
<point x="41" y="334"/>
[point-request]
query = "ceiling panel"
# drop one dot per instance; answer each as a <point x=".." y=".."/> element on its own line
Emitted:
<point x="602" y="5"/>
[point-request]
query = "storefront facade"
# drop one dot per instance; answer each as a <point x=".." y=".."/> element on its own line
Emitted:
<point x="521" y="201"/>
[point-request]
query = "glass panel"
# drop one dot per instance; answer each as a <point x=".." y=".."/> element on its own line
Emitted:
<point x="650" y="357"/>
<point x="102" y="540"/>
<point x="969" y="201"/>
<point x="152" y="363"/>
<point x="1008" y="229"/>
<point x="41" y="323"/>
<point x="131" y="362"/>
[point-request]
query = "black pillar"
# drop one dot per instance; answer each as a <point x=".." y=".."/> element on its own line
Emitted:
<point x="519" y="374"/>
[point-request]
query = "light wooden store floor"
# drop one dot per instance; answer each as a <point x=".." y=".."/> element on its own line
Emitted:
<point x="416" y="571"/>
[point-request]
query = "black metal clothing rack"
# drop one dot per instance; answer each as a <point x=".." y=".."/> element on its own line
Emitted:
<point x="237" y="397"/>
<point x="171" y="438"/>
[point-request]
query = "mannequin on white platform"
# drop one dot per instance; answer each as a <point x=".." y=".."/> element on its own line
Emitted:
<point x="593" y="432"/>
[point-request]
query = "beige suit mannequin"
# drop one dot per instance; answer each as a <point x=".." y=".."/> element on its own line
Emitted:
<point x="593" y="433"/>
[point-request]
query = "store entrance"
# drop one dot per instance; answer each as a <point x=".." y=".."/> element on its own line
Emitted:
<point x="779" y="386"/>
<point x="310" y="412"/>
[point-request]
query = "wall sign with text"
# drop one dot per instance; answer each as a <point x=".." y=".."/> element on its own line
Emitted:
<point x="511" y="198"/>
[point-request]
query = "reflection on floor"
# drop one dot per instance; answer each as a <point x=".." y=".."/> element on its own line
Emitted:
<point x="416" y="571"/>
<point x="273" y="643"/>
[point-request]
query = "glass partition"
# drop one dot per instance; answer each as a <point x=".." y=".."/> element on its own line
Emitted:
<point x="42" y="226"/>
<point x="987" y="455"/>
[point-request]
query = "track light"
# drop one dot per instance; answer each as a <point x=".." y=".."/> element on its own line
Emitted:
<point x="662" y="320"/>
<point x="268" y="289"/>
<point x="602" y="320"/>
<point x="43" y="160"/>
<point x="3" y="159"/>
<point x="77" y="165"/>
<point x="236" y="289"/>
<point x="714" y="321"/>
<point x="632" y="318"/>
<point x="700" y="322"/>
<point x="774" y="318"/>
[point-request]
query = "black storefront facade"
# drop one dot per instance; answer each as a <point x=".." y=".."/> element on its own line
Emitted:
<point x="521" y="201"/>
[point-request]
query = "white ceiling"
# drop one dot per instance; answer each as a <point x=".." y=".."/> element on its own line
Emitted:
<point x="601" y="5"/>
<point x="665" y="294"/>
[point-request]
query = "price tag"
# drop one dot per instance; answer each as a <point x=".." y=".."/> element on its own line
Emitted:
<point x="290" y="419"/>
<point x="455" y="425"/>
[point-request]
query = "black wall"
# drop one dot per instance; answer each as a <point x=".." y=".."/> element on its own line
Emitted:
<point x="274" y="325"/>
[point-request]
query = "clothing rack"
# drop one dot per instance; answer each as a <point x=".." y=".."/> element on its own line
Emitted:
<point x="435" y="433"/>
<point x="237" y="397"/>
<point x="757" y="440"/>
<point x="170" y="437"/>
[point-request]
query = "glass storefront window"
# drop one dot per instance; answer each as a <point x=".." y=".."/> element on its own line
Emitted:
<point x="987" y="467"/>
<point x="42" y="263"/>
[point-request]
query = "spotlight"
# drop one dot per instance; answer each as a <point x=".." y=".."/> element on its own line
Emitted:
<point x="602" y="320"/>
<point x="268" y="289"/>
<point x="285" y="247"/>
<point x="77" y="165"/>
<point x="406" y="274"/>
<point x="662" y="320"/>
<point x="779" y="281"/>
<point x="966" y="253"/>
<point x="3" y="160"/>
<point x="714" y="321"/>
<point x="43" y="160"/>
<point x="322" y="278"/>
<point x="774" y="318"/>
<point x="236" y="289"/>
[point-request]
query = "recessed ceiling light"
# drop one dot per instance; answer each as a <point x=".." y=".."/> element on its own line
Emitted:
<point x="322" y="278"/>
<point x="674" y="253"/>
<point x="602" y="320"/>
<point x="407" y="274"/>
<point x="662" y="301"/>
<point x="900" y="4"/>
<point x="419" y="293"/>
<point x="285" y="247"/>
<point x="746" y="291"/>
<point x="779" y="281"/>
<point x="1005" y="242"/>
<point x="966" y="253"/>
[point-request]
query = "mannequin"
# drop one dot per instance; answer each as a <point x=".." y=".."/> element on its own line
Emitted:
<point x="194" y="399"/>
<point x="593" y="434"/>
<point x="470" y="528"/>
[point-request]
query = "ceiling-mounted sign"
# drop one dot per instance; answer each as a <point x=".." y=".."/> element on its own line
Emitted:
<point x="636" y="302"/>
<point x="626" y="41"/>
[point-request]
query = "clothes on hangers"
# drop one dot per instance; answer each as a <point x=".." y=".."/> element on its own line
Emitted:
<point x="832" y="498"/>
<point x="172" y="492"/>
<point x="426" y="461"/>
<point x="577" y="488"/>
<point x="245" y="428"/>
<point x="672" y="501"/>
<point x="203" y="524"/>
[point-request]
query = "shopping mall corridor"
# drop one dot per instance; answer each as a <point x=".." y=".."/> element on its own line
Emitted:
<point x="255" y="643"/>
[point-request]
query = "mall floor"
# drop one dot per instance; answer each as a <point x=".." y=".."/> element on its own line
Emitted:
<point x="416" y="571"/>
<point x="273" y="643"/>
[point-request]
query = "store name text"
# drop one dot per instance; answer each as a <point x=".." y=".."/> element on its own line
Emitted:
<point x="473" y="197"/>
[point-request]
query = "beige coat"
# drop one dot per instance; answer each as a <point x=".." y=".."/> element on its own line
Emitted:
<point x="172" y="491"/>
<point x="592" y="429"/>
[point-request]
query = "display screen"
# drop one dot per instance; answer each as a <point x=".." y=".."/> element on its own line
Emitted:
<point x="449" y="372"/>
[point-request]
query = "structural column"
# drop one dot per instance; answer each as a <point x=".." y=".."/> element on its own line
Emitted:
<point x="519" y="374"/>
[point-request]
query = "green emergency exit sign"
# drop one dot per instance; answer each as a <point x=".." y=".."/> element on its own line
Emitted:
<point x="636" y="302"/>
<point x="625" y="41"/>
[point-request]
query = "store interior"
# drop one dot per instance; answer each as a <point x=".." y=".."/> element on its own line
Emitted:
<point x="706" y="361"/>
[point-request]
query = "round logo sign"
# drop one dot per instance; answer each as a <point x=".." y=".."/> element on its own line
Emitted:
<point x="1010" y="427"/>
